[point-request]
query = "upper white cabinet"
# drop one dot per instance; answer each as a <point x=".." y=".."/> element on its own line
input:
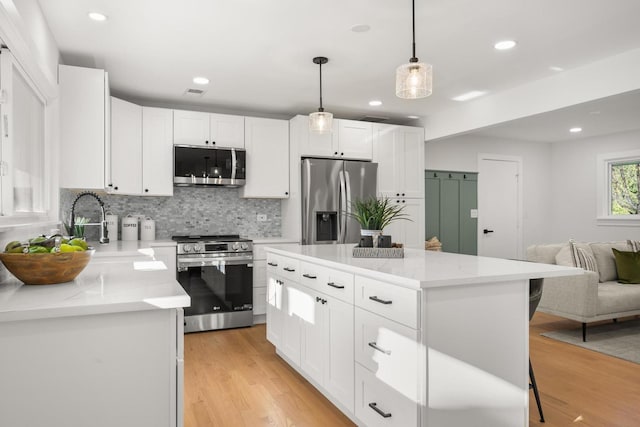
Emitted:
<point x="349" y="139"/>
<point x="141" y="155"/>
<point x="198" y="128"/>
<point x="125" y="176"/>
<point x="399" y="152"/>
<point x="84" y="130"/>
<point x="267" y="145"/>
<point x="157" y="151"/>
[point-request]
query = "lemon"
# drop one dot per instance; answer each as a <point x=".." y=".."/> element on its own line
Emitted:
<point x="67" y="248"/>
<point x="78" y="249"/>
<point x="79" y="242"/>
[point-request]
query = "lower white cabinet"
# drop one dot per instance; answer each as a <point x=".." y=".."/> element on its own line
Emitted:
<point x="275" y="308"/>
<point x="296" y="304"/>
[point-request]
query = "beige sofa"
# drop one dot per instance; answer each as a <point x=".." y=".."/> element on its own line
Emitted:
<point x="589" y="297"/>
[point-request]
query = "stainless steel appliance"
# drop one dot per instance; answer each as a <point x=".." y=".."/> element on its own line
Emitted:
<point x="328" y="189"/>
<point x="217" y="273"/>
<point x="208" y="166"/>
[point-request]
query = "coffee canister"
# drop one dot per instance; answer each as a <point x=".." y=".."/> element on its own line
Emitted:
<point x="147" y="229"/>
<point x="112" y="226"/>
<point x="130" y="228"/>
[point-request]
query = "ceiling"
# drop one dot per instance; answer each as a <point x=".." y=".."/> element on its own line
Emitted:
<point x="258" y="54"/>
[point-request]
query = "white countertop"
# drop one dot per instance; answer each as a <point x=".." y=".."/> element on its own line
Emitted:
<point x="273" y="240"/>
<point x="127" y="247"/>
<point x="119" y="278"/>
<point x="424" y="269"/>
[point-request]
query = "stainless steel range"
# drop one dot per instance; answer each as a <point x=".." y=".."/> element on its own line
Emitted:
<point x="217" y="273"/>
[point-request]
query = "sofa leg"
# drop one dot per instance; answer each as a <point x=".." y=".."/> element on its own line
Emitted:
<point x="584" y="332"/>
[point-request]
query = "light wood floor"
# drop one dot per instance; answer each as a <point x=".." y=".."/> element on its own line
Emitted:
<point x="233" y="378"/>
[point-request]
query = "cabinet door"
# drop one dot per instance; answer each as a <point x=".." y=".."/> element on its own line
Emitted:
<point x="226" y="130"/>
<point x="83" y="106"/>
<point x="157" y="151"/>
<point x="314" y="342"/>
<point x="385" y="151"/>
<point x="338" y="357"/>
<point x="267" y="145"/>
<point x="355" y="140"/>
<point x="410" y="232"/>
<point x="275" y="314"/>
<point x="259" y="286"/>
<point x="298" y="306"/>
<point x="190" y="127"/>
<point x="411" y="157"/>
<point x="126" y="148"/>
<point x="313" y="144"/>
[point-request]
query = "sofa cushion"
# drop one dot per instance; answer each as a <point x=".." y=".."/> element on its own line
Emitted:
<point x="586" y="261"/>
<point x="627" y="266"/>
<point x="605" y="261"/>
<point x="614" y="297"/>
<point x="576" y="254"/>
<point x="565" y="256"/>
<point x="545" y="254"/>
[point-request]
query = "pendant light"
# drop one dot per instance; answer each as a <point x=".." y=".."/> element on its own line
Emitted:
<point x="320" y="122"/>
<point x="414" y="80"/>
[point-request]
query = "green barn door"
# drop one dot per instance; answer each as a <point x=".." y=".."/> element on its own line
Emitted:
<point x="451" y="201"/>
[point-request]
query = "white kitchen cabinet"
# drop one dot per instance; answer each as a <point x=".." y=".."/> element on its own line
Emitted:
<point x="141" y="151"/>
<point x="126" y="148"/>
<point x="410" y="232"/>
<point x="84" y="130"/>
<point x="275" y="308"/>
<point x="208" y="129"/>
<point x="267" y="145"/>
<point x="157" y="151"/>
<point x="399" y="152"/>
<point x="349" y="139"/>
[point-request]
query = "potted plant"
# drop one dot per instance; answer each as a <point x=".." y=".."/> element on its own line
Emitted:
<point x="374" y="215"/>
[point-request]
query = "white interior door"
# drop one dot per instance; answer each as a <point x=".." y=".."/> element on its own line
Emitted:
<point x="499" y="207"/>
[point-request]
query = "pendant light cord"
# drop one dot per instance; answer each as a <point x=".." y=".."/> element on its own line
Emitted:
<point x="321" y="109"/>
<point x="413" y="14"/>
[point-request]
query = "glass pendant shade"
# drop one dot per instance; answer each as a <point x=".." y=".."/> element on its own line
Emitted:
<point x="320" y="122"/>
<point x="414" y="80"/>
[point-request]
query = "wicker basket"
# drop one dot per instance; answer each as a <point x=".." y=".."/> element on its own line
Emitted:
<point x="46" y="269"/>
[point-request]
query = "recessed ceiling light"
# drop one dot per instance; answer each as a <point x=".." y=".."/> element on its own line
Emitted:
<point x="201" y="80"/>
<point x="505" y="45"/>
<point x="97" y="16"/>
<point x="413" y="117"/>
<point x="469" y="95"/>
<point x="554" y="68"/>
<point x="360" y="28"/>
<point x="575" y="130"/>
<point x="375" y="103"/>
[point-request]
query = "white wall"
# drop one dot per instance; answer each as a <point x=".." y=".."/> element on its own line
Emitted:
<point x="573" y="194"/>
<point x="461" y="154"/>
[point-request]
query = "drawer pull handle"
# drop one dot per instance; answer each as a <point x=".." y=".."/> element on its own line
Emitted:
<point x="374" y="345"/>
<point x="290" y="270"/>
<point x="272" y="264"/>
<point x="383" y="414"/>
<point x="333" y="285"/>
<point x="309" y="276"/>
<point x="381" y="301"/>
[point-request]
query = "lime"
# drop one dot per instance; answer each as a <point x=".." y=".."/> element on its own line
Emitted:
<point x="17" y="250"/>
<point x="79" y="242"/>
<point x="36" y="240"/>
<point x="67" y="248"/>
<point x="38" y="250"/>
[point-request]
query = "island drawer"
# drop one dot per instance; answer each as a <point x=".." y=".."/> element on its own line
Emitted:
<point x="390" y="350"/>
<point x="283" y="266"/>
<point x="390" y="301"/>
<point x="338" y="284"/>
<point x="379" y="404"/>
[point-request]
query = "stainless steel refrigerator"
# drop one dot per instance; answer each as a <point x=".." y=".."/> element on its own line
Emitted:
<point x="328" y="189"/>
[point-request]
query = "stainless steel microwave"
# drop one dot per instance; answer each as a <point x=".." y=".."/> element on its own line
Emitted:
<point x="208" y="166"/>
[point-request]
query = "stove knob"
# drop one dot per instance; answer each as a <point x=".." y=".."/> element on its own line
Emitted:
<point x="235" y="246"/>
<point x="188" y="247"/>
<point x="197" y="247"/>
<point x="244" y="246"/>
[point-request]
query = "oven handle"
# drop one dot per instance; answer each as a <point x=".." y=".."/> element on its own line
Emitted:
<point x="213" y="262"/>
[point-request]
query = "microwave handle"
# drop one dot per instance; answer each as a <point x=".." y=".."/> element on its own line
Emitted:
<point x="234" y="164"/>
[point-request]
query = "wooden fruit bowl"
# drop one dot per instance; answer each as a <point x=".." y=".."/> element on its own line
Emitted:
<point x="46" y="269"/>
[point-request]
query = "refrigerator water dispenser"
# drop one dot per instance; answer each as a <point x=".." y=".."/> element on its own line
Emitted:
<point x="326" y="226"/>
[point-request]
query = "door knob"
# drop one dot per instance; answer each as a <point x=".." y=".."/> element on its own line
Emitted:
<point x="485" y="231"/>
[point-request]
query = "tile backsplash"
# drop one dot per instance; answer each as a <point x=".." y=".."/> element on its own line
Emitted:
<point x="191" y="210"/>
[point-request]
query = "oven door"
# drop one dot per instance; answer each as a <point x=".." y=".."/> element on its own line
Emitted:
<point x="217" y="285"/>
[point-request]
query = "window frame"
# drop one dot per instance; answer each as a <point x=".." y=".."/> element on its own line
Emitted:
<point x="604" y="163"/>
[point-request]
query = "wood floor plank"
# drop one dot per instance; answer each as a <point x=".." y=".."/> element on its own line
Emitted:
<point x="234" y="378"/>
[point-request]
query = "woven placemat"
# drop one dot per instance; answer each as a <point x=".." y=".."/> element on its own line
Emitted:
<point x="359" y="252"/>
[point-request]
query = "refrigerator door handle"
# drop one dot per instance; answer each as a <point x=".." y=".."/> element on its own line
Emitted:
<point x="342" y="222"/>
<point x="347" y="205"/>
<point x="305" y="202"/>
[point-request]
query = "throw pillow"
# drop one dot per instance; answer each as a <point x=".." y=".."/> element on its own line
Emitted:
<point x="564" y="257"/>
<point x="628" y="266"/>
<point x="634" y="245"/>
<point x="586" y="261"/>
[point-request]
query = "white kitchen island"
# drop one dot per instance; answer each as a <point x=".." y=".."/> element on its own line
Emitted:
<point x="432" y="339"/>
<point x="103" y="350"/>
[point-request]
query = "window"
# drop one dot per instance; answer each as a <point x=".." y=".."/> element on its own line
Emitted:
<point x="618" y="184"/>
<point x="23" y="172"/>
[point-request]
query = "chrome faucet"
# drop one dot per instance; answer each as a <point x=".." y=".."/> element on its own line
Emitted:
<point x="104" y="233"/>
